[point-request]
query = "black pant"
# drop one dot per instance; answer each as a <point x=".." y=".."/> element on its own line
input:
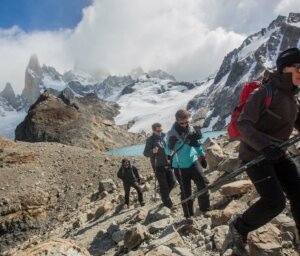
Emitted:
<point x="166" y="181"/>
<point x="184" y="177"/>
<point x="272" y="180"/>
<point x="138" y="189"/>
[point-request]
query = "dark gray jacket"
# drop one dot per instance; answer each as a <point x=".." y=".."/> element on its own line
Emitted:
<point x="129" y="175"/>
<point x="260" y="126"/>
<point x="159" y="142"/>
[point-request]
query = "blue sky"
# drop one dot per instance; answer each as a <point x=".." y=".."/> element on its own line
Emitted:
<point x="40" y="15"/>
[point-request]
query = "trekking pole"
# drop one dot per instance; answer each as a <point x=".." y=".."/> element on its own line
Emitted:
<point x="239" y="170"/>
<point x="181" y="185"/>
<point x="155" y="179"/>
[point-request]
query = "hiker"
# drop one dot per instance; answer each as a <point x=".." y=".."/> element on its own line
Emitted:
<point x="131" y="178"/>
<point x="262" y="129"/>
<point x="154" y="149"/>
<point x="188" y="161"/>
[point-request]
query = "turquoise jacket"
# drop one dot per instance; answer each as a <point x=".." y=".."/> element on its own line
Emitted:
<point x="186" y="155"/>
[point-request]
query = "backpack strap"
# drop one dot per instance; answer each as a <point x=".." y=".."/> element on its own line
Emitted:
<point x="269" y="94"/>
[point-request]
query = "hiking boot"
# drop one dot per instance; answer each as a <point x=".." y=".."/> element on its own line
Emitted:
<point x="234" y="240"/>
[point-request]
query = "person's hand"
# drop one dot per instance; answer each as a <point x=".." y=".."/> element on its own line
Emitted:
<point x="203" y="161"/>
<point x="172" y="142"/>
<point x="273" y="152"/>
<point x="155" y="150"/>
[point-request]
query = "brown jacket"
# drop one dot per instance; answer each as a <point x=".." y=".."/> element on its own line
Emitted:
<point x="260" y="126"/>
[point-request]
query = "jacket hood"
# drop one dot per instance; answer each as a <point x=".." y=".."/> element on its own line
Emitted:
<point x="282" y="81"/>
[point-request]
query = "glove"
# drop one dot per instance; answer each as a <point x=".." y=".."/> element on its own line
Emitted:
<point x="273" y="152"/>
<point x="203" y="162"/>
<point x="172" y="142"/>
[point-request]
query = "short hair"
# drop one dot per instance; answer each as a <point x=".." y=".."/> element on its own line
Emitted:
<point x="182" y="114"/>
<point x="155" y="125"/>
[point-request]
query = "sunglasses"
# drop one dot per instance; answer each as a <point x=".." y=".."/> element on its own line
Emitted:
<point x="183" y="123"/>
<point x="297" y="66"/>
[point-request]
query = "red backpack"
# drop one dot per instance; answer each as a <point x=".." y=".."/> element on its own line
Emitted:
<point x="233" y="132"/>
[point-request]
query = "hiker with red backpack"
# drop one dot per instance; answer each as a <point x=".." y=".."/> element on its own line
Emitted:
<point x="266" y="120"/>
<point x="188" y="161"/>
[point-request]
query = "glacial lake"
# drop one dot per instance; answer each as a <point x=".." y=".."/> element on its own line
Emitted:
<point x="137" y="150"/>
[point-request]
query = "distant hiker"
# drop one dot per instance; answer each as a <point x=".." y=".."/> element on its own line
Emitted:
<point x="129" y="175"/>
<point x="154" y="149"/>
<point x="188" y="159"/>
<point x="262" y="130"/>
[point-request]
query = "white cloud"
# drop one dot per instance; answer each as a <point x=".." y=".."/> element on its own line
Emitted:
<point x="286" y="6"/>
<point x="188" y="39"/>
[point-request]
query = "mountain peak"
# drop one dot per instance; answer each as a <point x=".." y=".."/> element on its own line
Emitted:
<point x="8" y="90"/>
<point x="34" y="63"/>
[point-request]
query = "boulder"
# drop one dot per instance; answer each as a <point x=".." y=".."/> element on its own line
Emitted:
<point x="119" y="235"/>
<point x="285" y="223"/>
<point x="159" y="225"/>
<point x="107" y="185"/>
<point x="229" y="163"/>
<point x="158" y="214"/>
<point x="214" y="155"/>
<point x="169" y="237"/>
<point x="104" y="208"/>
<point x="219" y="236"/>
<point x="265" y="241"/>
<point x="236" y="188"/>
<point x="135" y="236"/>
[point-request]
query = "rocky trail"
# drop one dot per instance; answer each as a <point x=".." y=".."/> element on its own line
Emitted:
<point x="64" y="200"/>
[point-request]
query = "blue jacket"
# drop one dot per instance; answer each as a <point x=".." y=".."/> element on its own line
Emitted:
<point x="187" y="154"/>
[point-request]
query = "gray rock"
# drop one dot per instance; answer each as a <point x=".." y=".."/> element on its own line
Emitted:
<point x="159" y="225"/>
<point x="158" y="214"/>
<point x="135" y="236"/>
<point x="219" y="236"/>
<point x="265" y="241"/>
<point x="119" y="235"/>
<point x="183" y="251"/>
<point x="229" y="164"/>
<point x="214" y="155"/>
<point x="107" y="185"/>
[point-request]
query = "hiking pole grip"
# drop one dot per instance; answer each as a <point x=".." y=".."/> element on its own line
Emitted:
<point x="240" y="170"/>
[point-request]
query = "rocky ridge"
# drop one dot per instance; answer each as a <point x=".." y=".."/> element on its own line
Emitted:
<point x="86" y="122"/>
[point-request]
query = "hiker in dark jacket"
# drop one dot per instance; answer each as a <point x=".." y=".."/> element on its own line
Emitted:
<point x="188" y="159"/>
<point x="129" y="175"/>
<point x="154" y="149"/>
<point x="262" y="130"/>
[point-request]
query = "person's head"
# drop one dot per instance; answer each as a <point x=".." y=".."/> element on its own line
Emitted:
<point x="125" y="163"/>
<point x="288" y="61"/>
<point x="182" y="117"/>
<point x="156" y="128"/>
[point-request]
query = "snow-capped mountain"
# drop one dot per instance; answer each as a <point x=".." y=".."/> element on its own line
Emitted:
<point x="11" y="111"/>
<point x="213" y="107"/>
<point x="144" y="97"/>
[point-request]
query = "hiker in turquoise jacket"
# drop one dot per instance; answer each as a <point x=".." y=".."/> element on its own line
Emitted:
<point x="188" y="161"/>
